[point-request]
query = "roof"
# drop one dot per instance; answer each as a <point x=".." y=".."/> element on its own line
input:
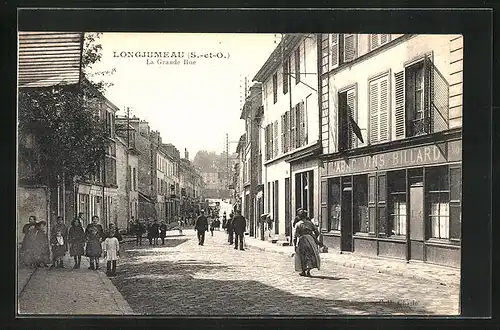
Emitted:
<point x="287" y="44"/>
<point x="49" y="58"/>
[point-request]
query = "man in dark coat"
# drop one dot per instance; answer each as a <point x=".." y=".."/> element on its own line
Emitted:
<point x="201" y="226"/>
<point x="239" y="226"/>
<point x="60" y="227"/>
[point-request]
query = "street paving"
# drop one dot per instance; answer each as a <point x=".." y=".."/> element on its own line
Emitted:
<point x="183" y="278"/>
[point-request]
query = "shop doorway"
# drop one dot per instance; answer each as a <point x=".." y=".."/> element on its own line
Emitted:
<point x="346" y="217"/>
<point x="416" y="228"/>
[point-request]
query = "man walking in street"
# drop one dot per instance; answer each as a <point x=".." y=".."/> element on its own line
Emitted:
<point x="201" y="227"/>
<point x="239" y="226"/>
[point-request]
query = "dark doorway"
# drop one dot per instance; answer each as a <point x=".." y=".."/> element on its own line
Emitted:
<point x="416" y="228"/>
<point x="346" y="215"/>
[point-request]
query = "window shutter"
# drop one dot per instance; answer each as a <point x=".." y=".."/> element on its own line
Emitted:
<point x="400" y="120"/>
<point x="334" y="49"/>
<point x="302" y="111"/>
<point x="427" y="93"/>
<point x="384" y="38"/>
<point x="324" y="205"/>
<point x="324" y="53"/>
<point x="373" y="108"/>
<point x="350" y="45"/>
<point x="276" y="145"/>
<point x="297" y="126"/>
<point x="440" y="91"/>
<point x="373" y="41"/>
<point x="384" y="110"/>
<point x="266" y="139"/>
<point x="283" y="133"/>
<point x="351" y="103"/>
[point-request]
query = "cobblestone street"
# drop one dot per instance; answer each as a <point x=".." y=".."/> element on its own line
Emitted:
<point x="183" y="278"/>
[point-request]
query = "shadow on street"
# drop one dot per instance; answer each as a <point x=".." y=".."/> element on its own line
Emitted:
<point x="172" y="288"/>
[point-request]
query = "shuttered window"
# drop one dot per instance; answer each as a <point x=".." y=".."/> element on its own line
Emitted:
<point x="399" y="109"/>
<point x="286" y="145"/>
<point x="283" y="130"/>
<point x="347" y="108"/>
<point x="379" y="110"/>
<point x="286" y="75"/>
<point x="275" y="87"/>
<point x="301" y="138"/>
<point x="297" y="65"/>
<point x="350" y="47"/>
<point x="293" y="128"/>
<point x="276" y="137"/>
<point x="334" y="50"/>
<point x="377" y="40"/>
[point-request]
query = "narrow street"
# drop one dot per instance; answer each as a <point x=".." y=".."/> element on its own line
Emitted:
<point x="183" y="278"/>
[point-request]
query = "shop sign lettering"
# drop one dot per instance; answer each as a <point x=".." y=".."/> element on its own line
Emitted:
<point x="402" y="158"/>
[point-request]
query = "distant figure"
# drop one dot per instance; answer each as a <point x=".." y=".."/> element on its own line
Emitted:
<point x="224" y="220"/>
<point x="94" y="234"/>
<point x="163" y="232"/>
<point x="212" y="227"/>
<point x="229" y="227"/>
<point x="28" y="249"/>
<point x="76" y="240"/>
<point x="58" y="249"/>
<point x="180" y="224"/>
<point x="111" y="252"/>
<point x="201" y="226"/>
<point x="139" y="231"/>
<point x="59" y="227"/>
<point x="42" y="246"/>
<point x="239" y="226"/>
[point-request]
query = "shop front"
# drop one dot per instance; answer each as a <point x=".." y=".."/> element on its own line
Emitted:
<point x="403" y="203"/>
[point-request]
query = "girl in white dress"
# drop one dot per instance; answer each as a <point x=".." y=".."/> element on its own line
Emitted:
<point x="111" y="248"/>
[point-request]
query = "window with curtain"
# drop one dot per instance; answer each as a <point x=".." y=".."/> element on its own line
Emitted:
<point x="438" y="205"/>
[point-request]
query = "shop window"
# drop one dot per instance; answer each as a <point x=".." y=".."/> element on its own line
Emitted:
<point x="334" y="204"/>
<point x="397" y="203"/>
<point x="361" y="221"/>
<point x="455" y="202"/>
<point x="372" y="207"/>
<point x="438" y="205"/>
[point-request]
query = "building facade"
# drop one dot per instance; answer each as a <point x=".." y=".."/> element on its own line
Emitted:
<point x="172" y="177"/>
<point x="251" y="157"/>
<point x="391" y="117"/>
<point x="291" y="131"/>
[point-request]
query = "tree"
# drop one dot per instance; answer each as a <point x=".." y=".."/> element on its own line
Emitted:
<point x="71" y="138"/>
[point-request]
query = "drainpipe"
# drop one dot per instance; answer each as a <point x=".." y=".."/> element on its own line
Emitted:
<point x="320" y="119"/>
<point x="289" y="164"/>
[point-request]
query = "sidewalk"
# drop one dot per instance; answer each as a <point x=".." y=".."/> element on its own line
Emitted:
<point x="421" y="271"/>
<point x="69" y="292"/>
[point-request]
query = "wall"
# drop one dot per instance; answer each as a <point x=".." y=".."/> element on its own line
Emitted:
<point x="121" y="180"/>
<point x="30" y="201"/>
<point x="392" y="60"/>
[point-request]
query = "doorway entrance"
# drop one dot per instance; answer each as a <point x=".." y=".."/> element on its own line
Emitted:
<point x="416" y="227"/>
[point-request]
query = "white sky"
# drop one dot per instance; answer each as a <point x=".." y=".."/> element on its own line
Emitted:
<point x="193" y="106"/>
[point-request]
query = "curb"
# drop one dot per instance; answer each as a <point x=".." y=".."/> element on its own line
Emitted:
<point x="122" y="304"/>
<point x="26" y="283"/>
<point x="354" y="265"/>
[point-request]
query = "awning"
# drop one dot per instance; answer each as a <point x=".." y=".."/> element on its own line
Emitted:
<point x="49" y="58"/>
<point x="144" y="197"/>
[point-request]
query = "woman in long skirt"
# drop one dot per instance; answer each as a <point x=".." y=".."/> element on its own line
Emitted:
<point x="76" y="238"/>
<point x="42" y="246"/>
<point x="94" y="235"/>
<point x="28" y="245"/>
<point x="306" y="247"/>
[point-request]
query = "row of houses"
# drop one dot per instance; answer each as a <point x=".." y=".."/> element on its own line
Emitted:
<point x="140" y="177"/>
<point x="364" y="132"/>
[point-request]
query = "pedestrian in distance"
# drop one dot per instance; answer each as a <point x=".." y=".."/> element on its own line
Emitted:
<point x="58" y="249"/>
<point x="139" y="231"/>
<point x="306" y="246"/>
<point x="201" y="226"/>
<point x="156" y="231"/>
<point x="28" y="250"/>
<point x="76" y="240"/>
<point x="180" y="224"/>
<point x="239" y="225"/>
<point x="111" y="248"/>
<point x="163" y="231"/>
<point x="59" y="227"/>
<point x="94" y="235"/>
<point x="212" y="227"/>
<point x="230" y="231"/>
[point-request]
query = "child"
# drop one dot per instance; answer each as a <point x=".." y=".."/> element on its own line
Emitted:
<point x="58" y="249"/>
<point x="112" y="252"/>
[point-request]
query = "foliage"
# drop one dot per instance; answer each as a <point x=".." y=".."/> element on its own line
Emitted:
<point x="64" y="121"/>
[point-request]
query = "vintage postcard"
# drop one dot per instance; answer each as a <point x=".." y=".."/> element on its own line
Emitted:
<point x="239" y="174"/>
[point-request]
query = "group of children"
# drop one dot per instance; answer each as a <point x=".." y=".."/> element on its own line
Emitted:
<point x="92" y="241"/>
